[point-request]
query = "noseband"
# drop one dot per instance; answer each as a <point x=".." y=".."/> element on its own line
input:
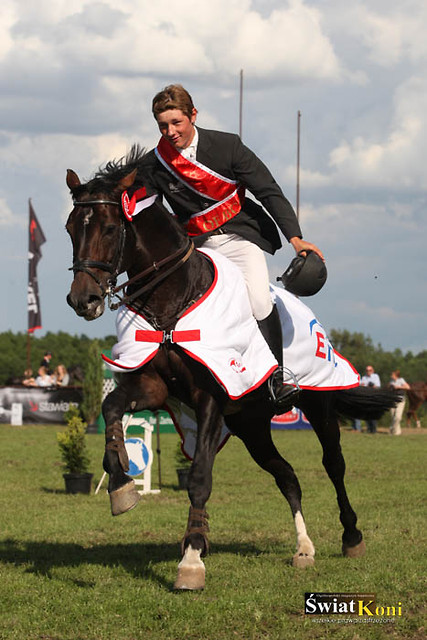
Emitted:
<point x="115" y="267"/>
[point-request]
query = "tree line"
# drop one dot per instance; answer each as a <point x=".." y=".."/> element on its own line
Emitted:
<point x="73" y="351"/>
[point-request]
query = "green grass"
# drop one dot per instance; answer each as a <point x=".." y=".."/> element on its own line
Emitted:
<point x="69" y="571"/>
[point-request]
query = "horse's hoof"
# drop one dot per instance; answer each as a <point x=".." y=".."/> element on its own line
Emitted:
<point x="354" y="552"/>
<point x="124" y="499"/>
<point x="302" y="560"/>
<point x="190" y="579"/>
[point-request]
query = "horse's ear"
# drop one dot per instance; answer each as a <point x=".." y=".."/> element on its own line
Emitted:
<point x="128" y="180"/>
<point x="73" y="179"/>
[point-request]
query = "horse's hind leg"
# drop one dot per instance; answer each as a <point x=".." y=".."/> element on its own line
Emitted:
<point x="253" y="428"/>
<point x="319" y="410"/>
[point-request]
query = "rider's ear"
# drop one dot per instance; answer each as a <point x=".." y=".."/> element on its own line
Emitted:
<point x="73" y="179"/>
<point x="128" y="180"/>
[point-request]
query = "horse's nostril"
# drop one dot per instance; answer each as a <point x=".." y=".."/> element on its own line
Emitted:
<point x="93" y="299"/>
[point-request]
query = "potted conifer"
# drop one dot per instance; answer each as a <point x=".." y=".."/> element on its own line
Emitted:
<point x="183" y="465"/>
<point x="75" y="458"/>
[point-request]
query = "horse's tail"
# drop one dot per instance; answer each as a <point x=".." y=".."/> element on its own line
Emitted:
<point x="365" y="403"/>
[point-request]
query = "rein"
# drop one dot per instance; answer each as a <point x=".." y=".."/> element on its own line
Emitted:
<point x="114" y="268"/>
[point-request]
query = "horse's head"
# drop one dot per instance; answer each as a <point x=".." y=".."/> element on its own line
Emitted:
<point x="97" y="228"/>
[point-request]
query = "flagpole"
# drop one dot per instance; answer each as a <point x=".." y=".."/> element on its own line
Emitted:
<point x="35" y="240"/>
<point x="241" y="104"/>
<point x="29" y="259"/>
<point x="298" y="160"/>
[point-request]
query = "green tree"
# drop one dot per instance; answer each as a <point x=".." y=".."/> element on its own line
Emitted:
<point x="92" y="383"/>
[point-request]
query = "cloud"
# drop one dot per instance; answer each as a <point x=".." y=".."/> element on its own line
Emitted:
<point x="6" y="214"/>
<point x="397" y="160"/>
<point x="398" y="34"/>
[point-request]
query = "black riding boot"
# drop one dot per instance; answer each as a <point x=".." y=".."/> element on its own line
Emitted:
<point x="282" y="395"/>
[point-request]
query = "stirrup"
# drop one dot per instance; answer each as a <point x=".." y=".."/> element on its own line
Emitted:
<point x="282" y="395"/>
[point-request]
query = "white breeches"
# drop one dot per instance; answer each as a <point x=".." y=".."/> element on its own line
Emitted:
<point x="251" y="261"/>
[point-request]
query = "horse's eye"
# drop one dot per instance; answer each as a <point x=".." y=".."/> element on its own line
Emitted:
<point x="110" y="229"/>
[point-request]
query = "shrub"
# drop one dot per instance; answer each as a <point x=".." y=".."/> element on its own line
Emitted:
<point x="73" y="447"/>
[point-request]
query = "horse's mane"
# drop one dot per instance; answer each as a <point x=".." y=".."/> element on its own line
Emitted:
<point x="108" y="175"/>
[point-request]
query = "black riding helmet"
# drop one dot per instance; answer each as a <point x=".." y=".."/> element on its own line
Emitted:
<point x="305" y="275"/>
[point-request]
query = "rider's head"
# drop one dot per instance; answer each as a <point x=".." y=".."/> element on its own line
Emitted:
<point x="175" y="114"/>
<point x="174" y="96"/>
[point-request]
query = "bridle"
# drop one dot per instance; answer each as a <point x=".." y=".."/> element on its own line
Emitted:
<point x="114" y="268"/>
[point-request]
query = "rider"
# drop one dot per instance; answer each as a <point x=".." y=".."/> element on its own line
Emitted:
<point x="203" y="175"/>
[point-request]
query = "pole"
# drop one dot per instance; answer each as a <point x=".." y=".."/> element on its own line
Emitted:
<point x="298" y="159"/>
<point x="241" y="104"/>
<point x="158" y="447"/>
<point x="28" y="350"/>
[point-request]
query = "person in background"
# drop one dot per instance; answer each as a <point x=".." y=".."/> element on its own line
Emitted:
<point x="44" y="379"/>
<point x="400" y="384"/>
<point x="61" y="376"/>
<point x="28" y="379"/>
<point x="46" y="362"/>
<point x="370" y="379"/>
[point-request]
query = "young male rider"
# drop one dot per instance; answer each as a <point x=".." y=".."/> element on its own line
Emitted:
<point x="203" y="175"/>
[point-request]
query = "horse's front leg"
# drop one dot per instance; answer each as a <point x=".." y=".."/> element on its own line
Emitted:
<point x="195" y="545"/>
<point x="135" y="392"/>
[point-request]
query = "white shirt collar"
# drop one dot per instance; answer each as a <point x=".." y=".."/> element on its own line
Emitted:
<point x="191" y="151"/>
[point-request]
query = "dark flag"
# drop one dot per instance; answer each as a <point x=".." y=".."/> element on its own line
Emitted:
<point x="36" y="239"/>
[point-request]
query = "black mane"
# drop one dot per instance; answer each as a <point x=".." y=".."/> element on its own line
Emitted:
<point x="108" y="175"/>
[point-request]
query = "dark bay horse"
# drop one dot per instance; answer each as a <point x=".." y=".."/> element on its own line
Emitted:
<point x="165" y="276"/>
<point x="417" y="395"/>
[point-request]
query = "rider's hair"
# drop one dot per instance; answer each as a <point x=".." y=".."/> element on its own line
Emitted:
<point x="174" y="96"/>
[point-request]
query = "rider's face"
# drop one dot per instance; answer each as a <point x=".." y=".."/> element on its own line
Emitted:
<point x="177" y="127"/>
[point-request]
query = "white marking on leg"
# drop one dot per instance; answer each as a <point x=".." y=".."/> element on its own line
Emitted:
<point x="304" y="544"/>
<point x="191" y="558"/>
<point x="191" y="570"/>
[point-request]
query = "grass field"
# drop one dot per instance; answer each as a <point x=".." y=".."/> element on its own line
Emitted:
<point x="69" y="571"/>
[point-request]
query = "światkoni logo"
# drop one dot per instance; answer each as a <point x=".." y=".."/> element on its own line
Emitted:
<point x="350" y="604"/>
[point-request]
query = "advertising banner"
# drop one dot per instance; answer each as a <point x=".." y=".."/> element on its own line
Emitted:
<point x="39" y="405"/>
<point x="294" y="419"/>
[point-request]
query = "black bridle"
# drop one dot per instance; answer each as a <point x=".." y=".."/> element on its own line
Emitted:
<point x="114" y="268"/>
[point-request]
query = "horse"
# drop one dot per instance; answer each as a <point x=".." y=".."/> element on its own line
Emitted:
<point x="166" y="276"/>
<point x="417" y="394"/>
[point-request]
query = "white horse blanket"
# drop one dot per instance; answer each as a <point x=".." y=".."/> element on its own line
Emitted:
<point x="220" y="331"/>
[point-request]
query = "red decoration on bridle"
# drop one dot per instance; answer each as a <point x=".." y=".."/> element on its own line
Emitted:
<point x="128" y="205"/>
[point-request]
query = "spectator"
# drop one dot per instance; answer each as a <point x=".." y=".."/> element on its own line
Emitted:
<point x="371" y="379"/>
<point x="61" y="376"/>
<point x="44" y="379"/>
<point x="28" y="379"/>
<point x="46" y="362"/>
<point x="400" y="384"/>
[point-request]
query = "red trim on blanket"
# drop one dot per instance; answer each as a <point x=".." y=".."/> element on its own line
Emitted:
<point x="336" y="388"/>
<point x="308" y="388"/>
<point x="199" y="301"/>
<point x="209" y="291"/>
<point x="121" y="366"/>
<point x="218" y="379"/>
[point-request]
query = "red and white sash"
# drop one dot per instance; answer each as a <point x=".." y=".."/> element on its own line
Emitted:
<point x="226" y="194"/>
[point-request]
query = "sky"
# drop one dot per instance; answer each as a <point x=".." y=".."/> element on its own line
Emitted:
<point x="76" y="82"/>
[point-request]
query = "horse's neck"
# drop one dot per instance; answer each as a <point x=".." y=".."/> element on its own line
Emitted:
<point x="166" y="302"/>
<point x="157" y="237"/>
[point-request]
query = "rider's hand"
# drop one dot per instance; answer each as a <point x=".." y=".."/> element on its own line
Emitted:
<point x="302" y="245"/>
